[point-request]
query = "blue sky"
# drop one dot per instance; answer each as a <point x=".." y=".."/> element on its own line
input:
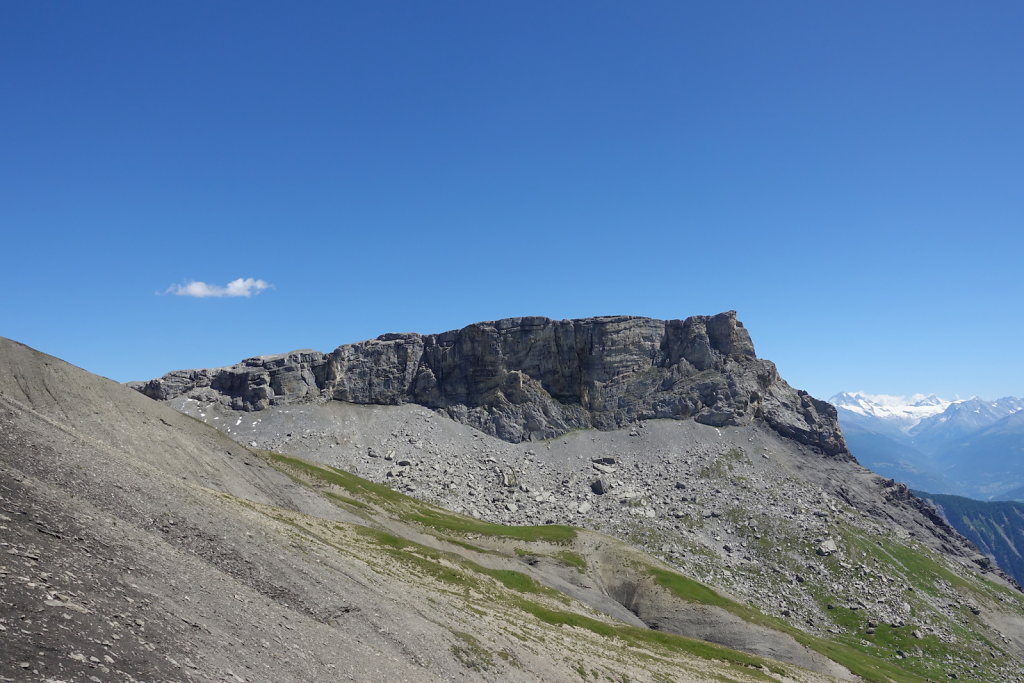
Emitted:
<point x="848" y="176"/>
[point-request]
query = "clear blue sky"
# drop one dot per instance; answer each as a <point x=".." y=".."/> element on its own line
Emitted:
<point x="848" y="176"/>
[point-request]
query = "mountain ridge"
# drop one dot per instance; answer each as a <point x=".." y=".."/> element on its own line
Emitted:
<point x="533" y="378"/>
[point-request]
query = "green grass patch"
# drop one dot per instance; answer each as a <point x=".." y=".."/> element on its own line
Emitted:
<point x="865" y="665"/>
<point x="383" y="538"/>
<point x="690" y="590"/>
<point x="470" y="653"/>
<point x="420" y="557"/>
<point x="468" y="546"/>
<point x="918" y="565"/>
<point x="433" y="562"/>
<point x="647" y="638"/>
<point x="736" y="455"/>
<point x="448" y="521"/>
<point x="331" y="475"/>
<point x="722" y="465"/>
<point x="716" y="469"/>
<point x="347" y="501"/>
<point x="512" y="580"/>
<point x="846" y="618"/>
<point x="572" y="559"/>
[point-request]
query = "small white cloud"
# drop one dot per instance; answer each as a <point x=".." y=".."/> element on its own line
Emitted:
<point x="243" y="286"/>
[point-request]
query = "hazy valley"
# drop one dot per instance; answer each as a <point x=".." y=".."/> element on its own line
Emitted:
<point x="969" y="447"/>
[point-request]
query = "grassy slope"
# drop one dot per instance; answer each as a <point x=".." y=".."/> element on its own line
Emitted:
<point x="890" y="653"/>
<point x="515" y="595"/>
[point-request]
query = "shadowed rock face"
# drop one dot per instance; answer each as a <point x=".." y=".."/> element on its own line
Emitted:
<point x="536" y="378"/>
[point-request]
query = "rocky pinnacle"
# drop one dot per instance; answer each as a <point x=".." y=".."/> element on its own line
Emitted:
<point x="535" y="378"/>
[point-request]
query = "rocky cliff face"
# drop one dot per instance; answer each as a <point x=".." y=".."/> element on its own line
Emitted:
<point x="535" y="378"/>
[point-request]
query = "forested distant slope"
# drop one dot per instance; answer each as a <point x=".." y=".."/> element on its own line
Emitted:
<point x="996" y="527"/>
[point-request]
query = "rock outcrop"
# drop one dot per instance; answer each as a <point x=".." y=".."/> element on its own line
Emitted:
<point x="535" y="378"/>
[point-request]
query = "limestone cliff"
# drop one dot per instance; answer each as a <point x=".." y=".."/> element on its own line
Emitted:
<point x="536" y="378"/>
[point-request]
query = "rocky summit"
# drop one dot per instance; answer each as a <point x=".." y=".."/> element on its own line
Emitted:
<point x="523" y="379"/>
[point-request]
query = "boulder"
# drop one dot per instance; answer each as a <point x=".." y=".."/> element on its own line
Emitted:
<point x="827" y="547"/>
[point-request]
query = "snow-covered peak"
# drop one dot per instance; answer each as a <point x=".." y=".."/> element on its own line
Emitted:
<point x="905" y="411"/>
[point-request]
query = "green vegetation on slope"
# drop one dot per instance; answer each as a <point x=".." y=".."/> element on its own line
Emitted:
<point x="865" y="665"/>
<point x="411" y="510"/>
<point x="641" y="637"/>
<point x="572" y="559"/>
<point x="470" y="653"/>
<point x="377" y="493"/>
<point x="448" y="521"/>
<point x="928" y="582"/>
<point x="877" y="656"/>
<point x="464" y="577"/>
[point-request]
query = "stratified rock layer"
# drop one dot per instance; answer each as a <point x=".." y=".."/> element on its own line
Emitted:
<point x="536" y="378"/>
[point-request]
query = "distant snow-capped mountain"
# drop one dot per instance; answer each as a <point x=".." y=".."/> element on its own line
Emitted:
<point x="963" y="417"/>
<point x="900" y="412"/>
<point x="967" y="447"/>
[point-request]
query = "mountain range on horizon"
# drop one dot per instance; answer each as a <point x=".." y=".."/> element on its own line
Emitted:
<point x="967" y="447"/>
